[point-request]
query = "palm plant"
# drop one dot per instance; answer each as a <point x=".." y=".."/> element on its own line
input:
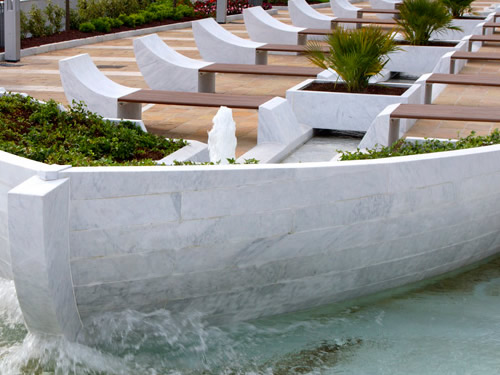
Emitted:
<point x="458" y="7"/>
<point x="356" y="55"/>
<point x="419" y="19"/>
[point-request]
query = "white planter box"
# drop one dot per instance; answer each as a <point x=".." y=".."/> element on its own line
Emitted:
<point x="418" y="60"/>
<point x="468" y="26"/>
<point x="344" y="111"/>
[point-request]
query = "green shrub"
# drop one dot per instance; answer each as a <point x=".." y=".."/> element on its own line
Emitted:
<point x="24" y="24"/>
<point x="127" y="20"/>
<point x="355" y="54"/>
<point x="87" y="27"/>
<point x="419" y="19"/>
<point x="403" y="148"/>
<point x="138" y="19"/>
<point x="74" y="19"/>
<point x="115" y="23"/>
<point x="458" y="8"/>
<point x="78" y="137"/>
<point x="55" y="15"/>
<point x="102" y="24"/>
<point x="36" y="22"/>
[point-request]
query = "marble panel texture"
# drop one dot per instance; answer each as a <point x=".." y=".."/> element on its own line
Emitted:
<point x="239" y="242"/>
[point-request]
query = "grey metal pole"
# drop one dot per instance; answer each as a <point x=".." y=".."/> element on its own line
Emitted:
<point x="221" y="12"/>
<point x="12" y="23"/>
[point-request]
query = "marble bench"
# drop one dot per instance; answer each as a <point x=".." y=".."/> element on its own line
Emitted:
<point x="472" y="56"/>
<point x="344" y="9"/>
<point x="455" y="79"/>
<point x="439" y="112"/>
<point x="219" y="45"/>
<point x="165" y="69"/>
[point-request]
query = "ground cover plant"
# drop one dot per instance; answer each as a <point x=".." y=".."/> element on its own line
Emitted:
<point x="404" y="148"/>
<point x="355" y="54"/>
<point x="42" y="132"/>
<point x="419" y="19"/>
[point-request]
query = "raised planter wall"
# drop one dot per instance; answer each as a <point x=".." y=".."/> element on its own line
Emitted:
<point x="343" y="111"/>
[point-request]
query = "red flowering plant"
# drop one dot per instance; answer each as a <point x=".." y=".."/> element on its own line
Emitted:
<point x="207" y="8"/>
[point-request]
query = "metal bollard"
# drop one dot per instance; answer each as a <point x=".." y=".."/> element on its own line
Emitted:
<point x="221" y="11"/>
<point x="12" y="23"/>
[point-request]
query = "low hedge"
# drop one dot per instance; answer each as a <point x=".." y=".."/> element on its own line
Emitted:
<point x="404" y="148"/>
<point x="42" y="132"/>
<point x="157" y="11"/>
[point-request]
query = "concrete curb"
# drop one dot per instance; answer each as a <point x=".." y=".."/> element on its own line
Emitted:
<point x="107" y="37"/>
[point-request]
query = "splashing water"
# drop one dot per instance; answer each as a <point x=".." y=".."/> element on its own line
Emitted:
<point x="449" y="326"/>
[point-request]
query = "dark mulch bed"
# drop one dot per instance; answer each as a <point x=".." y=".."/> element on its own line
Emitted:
<point x="340" y="87"/>
<point x="285" y="3"/>
<point x="76" y="34"/>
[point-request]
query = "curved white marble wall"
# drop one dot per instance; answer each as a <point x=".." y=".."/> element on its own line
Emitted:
<point x="246" y="241"/>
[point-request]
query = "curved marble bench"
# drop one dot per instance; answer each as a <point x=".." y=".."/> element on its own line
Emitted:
<point x="82" y="81"/>
<point x="344" y="9"/>
<point x="385" y="4"/>
<point x="262" y="27"/>
<point x="165" y="69"/>
<point x="303" y="15"/>
<point x="219" y="45"/>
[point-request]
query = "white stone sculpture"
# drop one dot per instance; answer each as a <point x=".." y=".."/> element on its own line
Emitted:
<point x="219" y="45"/>
<point x="262" y="27"/>
<point x="303" y="15"/>
<point x="222" y="138"/>
<point x="82" y="81"/>
<point x="165" y="69"/>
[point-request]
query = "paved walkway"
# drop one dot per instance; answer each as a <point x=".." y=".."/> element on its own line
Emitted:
<point x="39" y="76"/>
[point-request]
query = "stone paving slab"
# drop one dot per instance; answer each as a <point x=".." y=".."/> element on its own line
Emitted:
<point x="38" y="76"/>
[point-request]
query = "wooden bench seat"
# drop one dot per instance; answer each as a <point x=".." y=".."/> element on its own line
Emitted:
<point x="490" y="25"/>
<point x="458" y="79"/>
<point x="378" y="11"/>
<point x="483" y="39"/>
<point x="473" y="56"/>
<point x="439" y="112"/>
<point x="299" y="48"/>
<point x="360" y="21"/>
<point x="196" y="99"/>
<point x="278" y="70"/>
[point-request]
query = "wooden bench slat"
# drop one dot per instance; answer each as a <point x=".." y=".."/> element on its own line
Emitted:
<point x="446" y="112"/>
<point x="464" y="79"/>
<point x="196" y="99"/>
<point x="491" y="24"/>
<point x="379" y="11"/>
<point x="364" y="20"/>
<point x="484" y="38"/>
<point x="278" y="70"/>
<point x="475" y="55"/>
<point x="287" y="48"/>
<point x="316" y="31"/>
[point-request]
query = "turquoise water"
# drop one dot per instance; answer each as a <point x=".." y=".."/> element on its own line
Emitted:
<point x="449" y="326"/>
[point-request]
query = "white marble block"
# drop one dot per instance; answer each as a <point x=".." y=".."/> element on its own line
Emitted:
<point x="165" y="69"/>
<point x="82" y="81"/>
<point x="219" y="45"/>
<point x="303" y="15"/>
<point x="39" y="249"/>
<point x="262" y="27"/>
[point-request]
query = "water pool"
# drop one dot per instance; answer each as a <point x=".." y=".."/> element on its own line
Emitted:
<point x="446" y="326"/>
